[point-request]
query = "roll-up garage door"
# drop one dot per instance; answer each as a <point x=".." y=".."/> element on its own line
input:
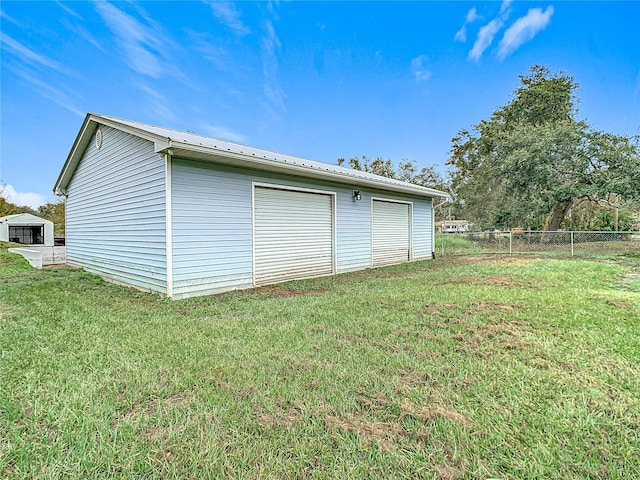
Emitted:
<point x="390" y="232"/>
<point x="293" y="234"/>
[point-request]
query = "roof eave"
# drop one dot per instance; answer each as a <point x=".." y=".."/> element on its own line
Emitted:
<point x="228" y="157"/>
<point x="74" y="156"/>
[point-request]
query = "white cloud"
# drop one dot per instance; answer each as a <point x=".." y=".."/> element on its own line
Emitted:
<point x="81" y="31"/>
<point x="461" y="35"/>
<point x="219" y="57"/>
<point x="419" y="69"/>
<point x="49" y="92"/>
<point x="271" y="86"/>
<point x="29" y="199"/>
<point x="69" y="10"/>
<point x="4" y="15"/>
<point x="506" y="4"/>
<point x="158" y="104"/>
<point x="29" y="56"/>
<point x="472" y="16"/>
<point x="524" y="29"/>
<point x="228" y="15"/>
<point x="485" y="37"/>
<point x="223" y="133"/>
<point x="142" y="45"/>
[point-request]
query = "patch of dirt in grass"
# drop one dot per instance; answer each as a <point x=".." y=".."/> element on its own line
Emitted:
<point x="392" y="431"/>
<point x="180" y="399"/>
<point x="465" y="382"/>
<point x="145" y="407"/>
<point x="447" y="472"/>
<point x="502" y="281"/>
<point x="486" y="339"/>
<point x="393" y="302"/>
<point x="281" y="292"/>
<point x="329" y="331"/>
<point x="619" y="303"/>
<point x="434" y="308"/>
<point x="372" y="403"/>
<point x="503" y="307"/>
<point x="136" y="411"/>
<point x="427" y="413"/>
<point x="412" y="379"/>
<point x="629" y="282"/>
<point x="286" y="414"/>
<point x="384" y="434"/>
<point x="402" y="332"/>
<point x="273" y="420"/>
<point x="396" y="348"/>
<point x="154" y="434"/>
<point x="428" y="353"/>
<point x="246" y="392"/>
<point x="352" y="337"/>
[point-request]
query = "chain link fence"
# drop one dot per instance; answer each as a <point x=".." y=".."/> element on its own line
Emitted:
<point x="559" y="243"/>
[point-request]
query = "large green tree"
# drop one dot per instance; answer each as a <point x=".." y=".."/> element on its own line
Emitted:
<point x="56" y="213"/>
<point x="532" y="160"/>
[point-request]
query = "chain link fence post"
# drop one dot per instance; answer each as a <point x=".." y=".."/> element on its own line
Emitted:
<point x="572" y="243"/>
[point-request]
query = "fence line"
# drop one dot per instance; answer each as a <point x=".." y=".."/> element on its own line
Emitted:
<point x="569" y="243"/>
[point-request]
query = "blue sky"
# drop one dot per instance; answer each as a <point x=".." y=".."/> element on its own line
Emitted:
<point x="320" y="80"/>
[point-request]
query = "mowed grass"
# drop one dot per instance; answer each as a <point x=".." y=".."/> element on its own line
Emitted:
<point x="468" y="367"/>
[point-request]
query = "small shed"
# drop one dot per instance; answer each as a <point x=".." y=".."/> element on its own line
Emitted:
<point x="183" y="215"/>
<point x="26" y="229"/>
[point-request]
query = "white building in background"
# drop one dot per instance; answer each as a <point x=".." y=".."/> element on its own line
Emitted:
<point x="26" y="229"/>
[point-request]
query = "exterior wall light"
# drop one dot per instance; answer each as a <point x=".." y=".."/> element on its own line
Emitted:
<point x="357" y="196"/>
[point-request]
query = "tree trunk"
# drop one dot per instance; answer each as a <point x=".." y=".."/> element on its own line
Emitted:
<point x="557" y="216"/>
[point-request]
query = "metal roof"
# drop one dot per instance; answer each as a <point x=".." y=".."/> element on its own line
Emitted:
<point x="199" y="147"/>
<point x="25" y="217"/>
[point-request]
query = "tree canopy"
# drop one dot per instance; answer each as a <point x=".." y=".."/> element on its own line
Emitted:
<point x="533" y="160"/>
<point x="406" y="171"/>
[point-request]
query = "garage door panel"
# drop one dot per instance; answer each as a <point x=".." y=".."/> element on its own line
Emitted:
<point x="293" y="234"/>
<point x="390" y="232"/>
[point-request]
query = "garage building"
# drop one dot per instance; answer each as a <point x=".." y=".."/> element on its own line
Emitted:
<point x="183" y="215"/>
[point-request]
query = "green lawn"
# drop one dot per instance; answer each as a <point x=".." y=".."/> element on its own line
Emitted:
<point x="463" y="367"/>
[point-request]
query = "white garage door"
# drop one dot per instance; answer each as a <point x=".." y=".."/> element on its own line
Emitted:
<point x="390" y="232"/>
<point x="293" y="235"/>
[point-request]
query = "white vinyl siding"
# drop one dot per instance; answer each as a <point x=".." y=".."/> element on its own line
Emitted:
<point x="293" y="234"/>
<point x="212" y="225"/>
<point x="211" y="231"/>
<point x="391" y="232"/>
<point x="116" y="212"/>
